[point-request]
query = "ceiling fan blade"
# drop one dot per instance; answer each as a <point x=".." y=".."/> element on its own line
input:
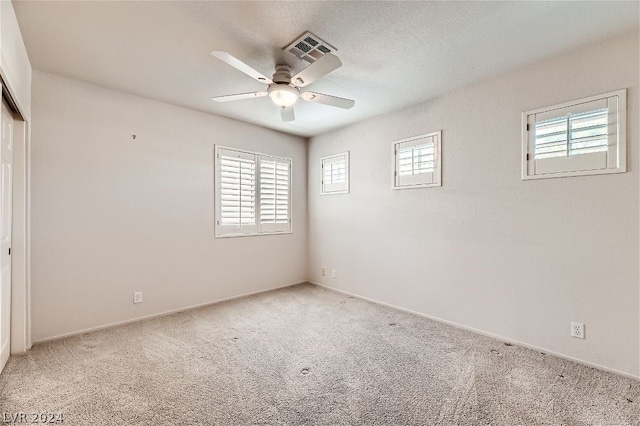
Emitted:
<point x="328" y="100"/>
<point x="238" y="97"/>
<point x="241" y="66"/>
<point x="322" y="66"/>
<point x="287" y="114"/>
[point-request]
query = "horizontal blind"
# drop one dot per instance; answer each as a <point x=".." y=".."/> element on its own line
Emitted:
<point x="572" y="134"/>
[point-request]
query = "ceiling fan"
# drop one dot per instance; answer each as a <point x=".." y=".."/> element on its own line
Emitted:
<point x="283" y="89"/>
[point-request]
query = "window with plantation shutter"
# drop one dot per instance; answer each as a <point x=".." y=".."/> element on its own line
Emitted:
<point x="274" y="194"/>
<point x="237" y="190"/>
<point x="583" y="137"/>
<point x="253" y="193"/>
<point x="417" y="161"/>
<point x="335" y="174"/>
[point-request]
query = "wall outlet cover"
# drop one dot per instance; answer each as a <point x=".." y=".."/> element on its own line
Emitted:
<point x="577" y="330"/>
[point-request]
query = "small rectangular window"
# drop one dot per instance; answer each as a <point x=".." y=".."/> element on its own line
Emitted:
<point x="335" y="174"/>
<point x="417" y="161"/>
<point x="253" y="193"/>
<point x="583" y="137"/>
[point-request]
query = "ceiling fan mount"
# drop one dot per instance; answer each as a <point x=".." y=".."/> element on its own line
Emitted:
<point x="282" y="74"/>
<point x="283" y="89"/>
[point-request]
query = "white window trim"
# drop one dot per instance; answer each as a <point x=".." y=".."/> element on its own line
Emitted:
<point x="323" y="190"/>
<point x="216" y="201"/>
<point x="437" y="150"/>
<point x="621" y="141"/>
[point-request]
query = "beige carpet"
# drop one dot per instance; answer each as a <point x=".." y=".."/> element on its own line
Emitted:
<point x="305" y="355"/>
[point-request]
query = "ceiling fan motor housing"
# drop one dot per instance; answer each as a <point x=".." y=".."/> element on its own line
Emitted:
<point x="282" y="74"/>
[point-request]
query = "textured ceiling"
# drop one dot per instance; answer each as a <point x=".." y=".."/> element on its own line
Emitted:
<point x="394" y="54"/>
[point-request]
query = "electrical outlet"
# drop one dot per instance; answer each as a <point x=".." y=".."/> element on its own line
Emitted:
<point x="577" y="330"/>
<point x="333" y="273"/>
<point x="137" y="297"/>
<point x="323" y="271"/>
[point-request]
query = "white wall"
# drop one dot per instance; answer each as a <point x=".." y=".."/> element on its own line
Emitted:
<point x="486" y="250"/>
<point x="111" y="215"/>
<point x="15" y="67"/>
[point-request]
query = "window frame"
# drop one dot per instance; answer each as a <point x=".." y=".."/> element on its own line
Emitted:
<point x="259" y="228"/>
<point x="325" y="160"/>
<point x="616" y="158"/>
<point x="437" y="173"/>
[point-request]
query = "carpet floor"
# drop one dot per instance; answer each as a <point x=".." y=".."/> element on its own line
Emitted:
<point x="305" y="355"/>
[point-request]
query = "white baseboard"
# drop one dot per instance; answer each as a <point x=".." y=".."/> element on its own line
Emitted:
<point x="160" y="314"/>
<point x="485" y="333"/>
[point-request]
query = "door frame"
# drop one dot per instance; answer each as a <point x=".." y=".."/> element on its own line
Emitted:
<point x="20" y="251"/>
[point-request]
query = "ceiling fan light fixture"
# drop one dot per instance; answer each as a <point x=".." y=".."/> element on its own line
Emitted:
<point x="280" y="88"/>
<point x="283" y="95"/>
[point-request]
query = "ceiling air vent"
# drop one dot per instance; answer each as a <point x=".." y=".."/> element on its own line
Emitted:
<point x="309" y="47"/>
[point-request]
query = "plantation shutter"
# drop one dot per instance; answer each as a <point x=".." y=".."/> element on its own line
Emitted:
<point x="335" y="174"/>
<point x="237" y="192"/>
<point x="580" y="137"/>
<point x="416" y="162"/>
<point x="275" y="194"/>
<point x="252" y="193"/>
